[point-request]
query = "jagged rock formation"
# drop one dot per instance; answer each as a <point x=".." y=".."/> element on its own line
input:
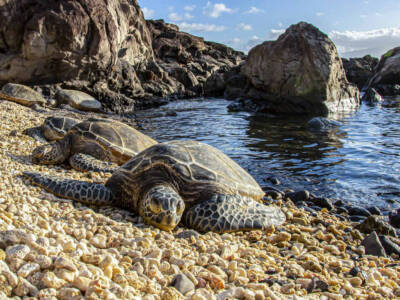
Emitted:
<point x="387" y="77"/>
<point x="301" y="72"/>
<point x="360" y="70"/>
<point x="190" y="61"/>
<point x="104" y="48"/>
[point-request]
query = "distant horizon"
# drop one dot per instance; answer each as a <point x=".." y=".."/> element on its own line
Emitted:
<point x="359" y="28"/>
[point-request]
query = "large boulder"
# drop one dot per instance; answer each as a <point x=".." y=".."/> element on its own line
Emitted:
<point x="53" y="41"/>
<point x="359" y="70"/>
<point x="387" y="77"/>
<point x="300" y="72"/>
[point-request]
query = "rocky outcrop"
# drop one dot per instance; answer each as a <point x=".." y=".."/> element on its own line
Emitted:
<point x="371" y="96"/>
<point x="360" y="70"/>
<point x="301" y="72"/>
<point x="387" y="77"/>
<point x="105" y="48"/>
<point x="196" y="67"/>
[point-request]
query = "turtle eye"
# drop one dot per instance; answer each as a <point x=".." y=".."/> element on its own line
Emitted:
<point x="155" y="206"/>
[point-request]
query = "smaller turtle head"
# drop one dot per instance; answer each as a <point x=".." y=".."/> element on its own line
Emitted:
<point x="52" y="128"/>
<point x="48" y="154"/>
<point x="162" y="207"/>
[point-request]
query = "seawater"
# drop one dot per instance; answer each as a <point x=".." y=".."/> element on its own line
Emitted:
<point x="357" y="162"/>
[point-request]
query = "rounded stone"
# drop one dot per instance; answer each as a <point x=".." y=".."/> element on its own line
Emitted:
<point x="78" y="100"/>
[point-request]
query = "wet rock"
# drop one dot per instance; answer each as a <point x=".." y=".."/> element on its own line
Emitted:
<point x="394" y="219"/>
<point x="339" y="203"/>
<point x="358" y="211"/>
<point x="389" y="246"/>
<point x="298" y="196"/>
<point x="78" y="100"/>
<point x="182" y="283"/>
<point x="387" y="73"/>
<point x="323" y="202"/>
<point x="300" y="72"/>
<point x="374" y="210"/>
<point x="371" y="96"/>
<point x="373" y="246"/>
<point x="274" y="180"/>
<point x="321" y="123"/>
<point x="357" y="218"/>
<point x="375" y="223"/>
<point x="273" y="194"/>
<point x="360" y="70"/>
<point x="340" y="210"/>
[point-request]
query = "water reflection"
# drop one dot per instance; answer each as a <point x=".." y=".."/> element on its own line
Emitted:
<point x="358" y="161"/>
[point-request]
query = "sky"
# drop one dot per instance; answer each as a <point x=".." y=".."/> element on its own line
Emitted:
<point x="357" y="27"/>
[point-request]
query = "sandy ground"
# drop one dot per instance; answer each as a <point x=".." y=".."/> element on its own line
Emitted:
<point x="52" y="248"/>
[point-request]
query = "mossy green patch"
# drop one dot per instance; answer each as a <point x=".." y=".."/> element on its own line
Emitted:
<point x="388" y="54"/>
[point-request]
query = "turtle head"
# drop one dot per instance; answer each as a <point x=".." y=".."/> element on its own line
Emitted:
<point x="48" y="154"/>
<point x="162" y="207"/>
<point x="52" y="128"/>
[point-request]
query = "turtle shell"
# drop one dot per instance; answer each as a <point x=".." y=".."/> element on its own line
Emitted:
<point x="196" y="170"/>
<point x="120" y="140"/>
<point x="21" y="94"/>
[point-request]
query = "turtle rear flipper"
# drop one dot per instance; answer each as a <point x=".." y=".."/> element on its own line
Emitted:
<point x="84" y="163"/>
<point x="81" y="191"/>
<point x="228" y="213"/>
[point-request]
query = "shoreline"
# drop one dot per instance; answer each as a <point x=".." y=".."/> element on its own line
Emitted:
<point x="52" y="247"/>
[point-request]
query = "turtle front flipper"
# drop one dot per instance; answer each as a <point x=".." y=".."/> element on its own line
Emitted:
<point x="84" y="163"/>
<point x="228" y="213"/>
<point x="35" y="133"/>
<point x="81" y="191"/>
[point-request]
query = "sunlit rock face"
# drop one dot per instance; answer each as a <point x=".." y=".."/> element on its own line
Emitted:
<point x="52" y="41"/>
<point x="301" y="72"/>
<point x="387" y="77"/>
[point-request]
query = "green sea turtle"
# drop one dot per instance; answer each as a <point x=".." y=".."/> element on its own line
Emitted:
<point x="21" y="94"/>
<point x="177" y="180"/>
<point x="53" y="128"/>
<point x="94" y="145"/>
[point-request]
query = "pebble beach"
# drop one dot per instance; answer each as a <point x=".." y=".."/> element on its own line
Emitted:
<point x="52" y="248"/>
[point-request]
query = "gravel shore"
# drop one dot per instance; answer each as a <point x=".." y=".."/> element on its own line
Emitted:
<point x="52" y="248"/>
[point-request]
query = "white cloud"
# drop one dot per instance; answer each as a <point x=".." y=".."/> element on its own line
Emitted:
<point x="148" y="13"/>
<point x="319" y="14"/>
<point x="253" y="10"/>
<point x="189" y="7"/>
<point x="188" y="16"/>
<point x="174" y="17"/>
<point x="243" y="26"/>
<point x="275" y="33"/>
<point x="198" y="27"/>
<point x="214" y="11"/>
<point x="359" y="43"/>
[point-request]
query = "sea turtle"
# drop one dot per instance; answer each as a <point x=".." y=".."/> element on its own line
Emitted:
<point x="94" y="145"/>
<point x="176" y="180"/>
<point x="53" y="128"/>
<point x="21" y="94"/>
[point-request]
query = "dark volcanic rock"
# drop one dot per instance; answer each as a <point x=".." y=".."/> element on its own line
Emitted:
<point x="389" y="246"/>
<point x="105" y="49"/>
<point x="375" y="223"/>
<point x="394" y="219"/>
<point x="387" y="77"/>
<point x="298" y="196"/>
<point x="300" y="72"/>
<point x="358" y="211"/>
<point x="321" y="123"/>
<point x="360" y="70"/>
<point x="373" y="246"/>
<point x="199" y="65"/>
<point x="371" y="96"/>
